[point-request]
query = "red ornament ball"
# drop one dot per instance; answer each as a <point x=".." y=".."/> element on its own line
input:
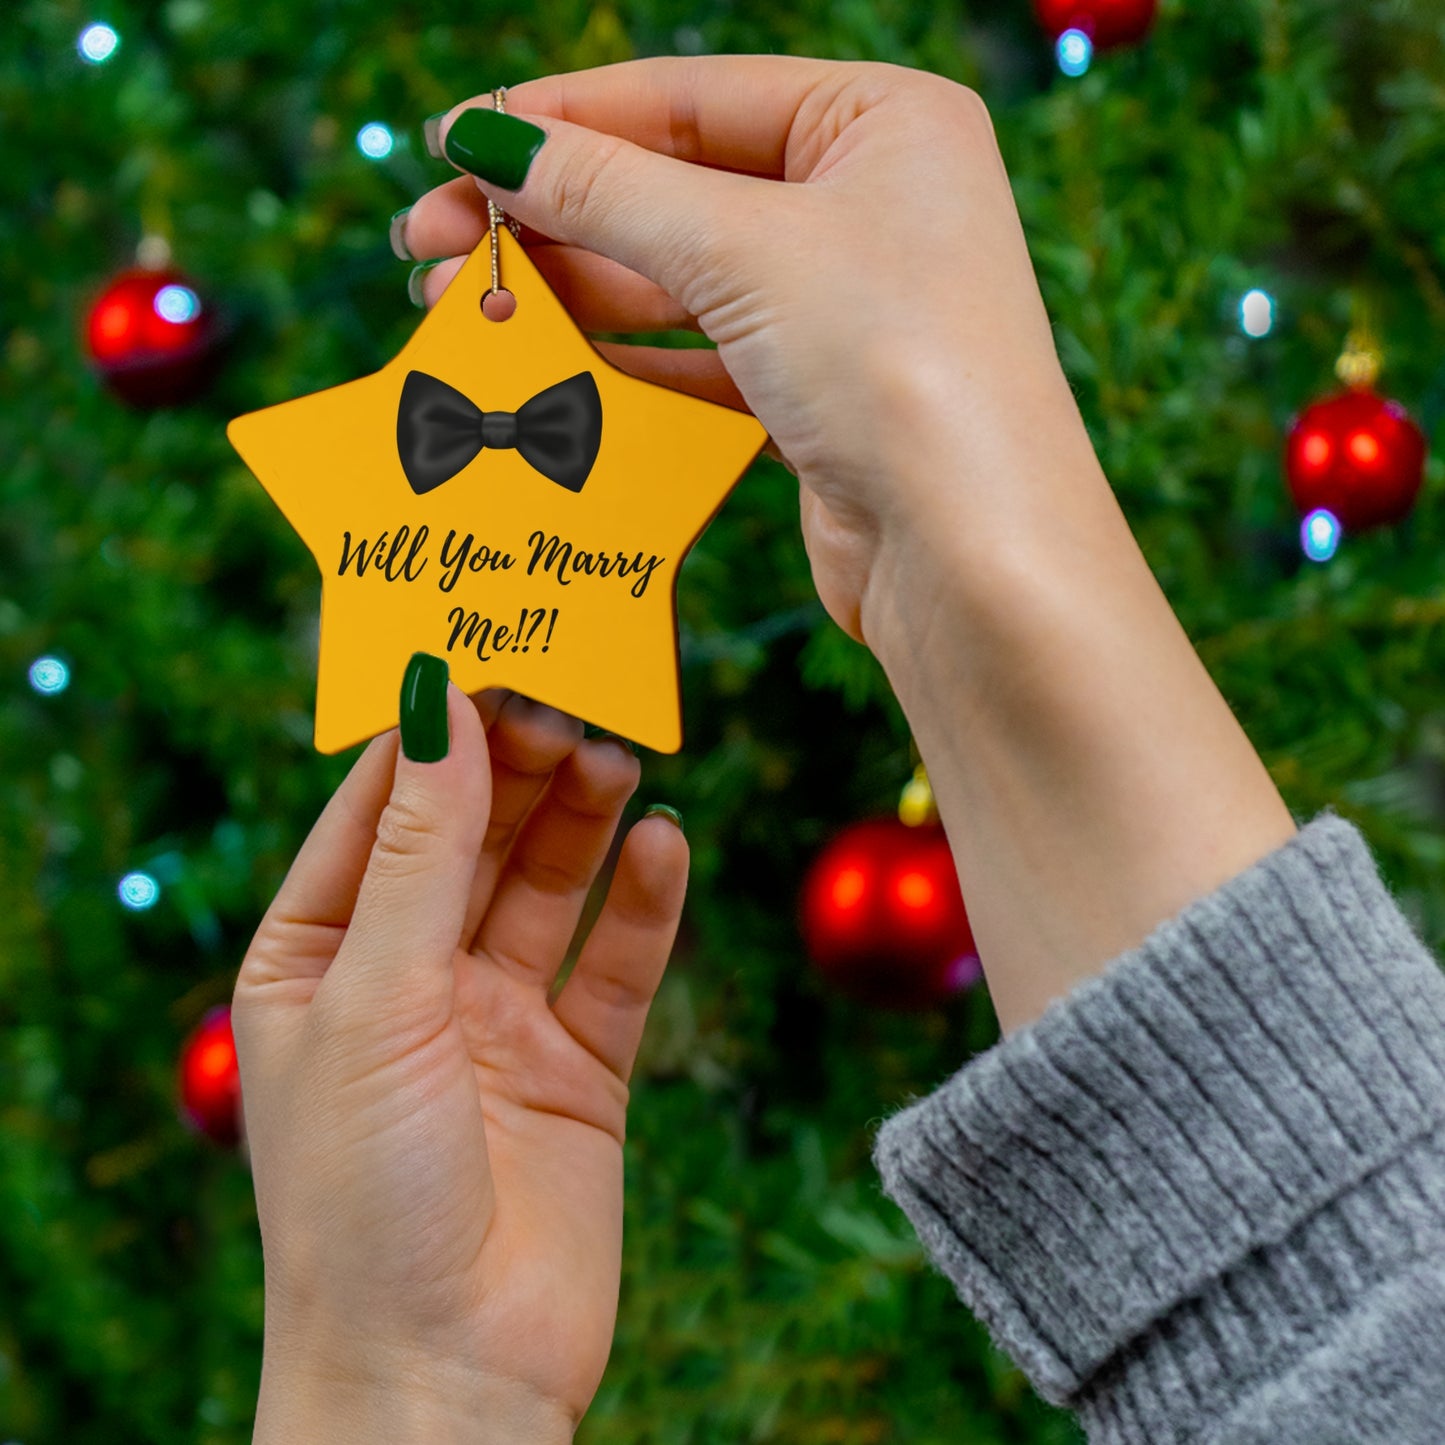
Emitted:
<point x="883" y="917"/>
<point x="1107" y="23"/>
<point x="152" y="338"/>
<point x="1357" y="455"/>
<point x="210" y="1080"/>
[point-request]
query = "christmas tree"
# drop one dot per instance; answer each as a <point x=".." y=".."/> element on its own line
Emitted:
<point x="1212" y="212"/>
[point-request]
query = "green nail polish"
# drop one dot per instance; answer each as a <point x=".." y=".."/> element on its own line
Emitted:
<point x="413" y="282"/>
<point x="498" y="148"/>
<point x="425" y="736"/>
<point x="671" y="814"/>
<point x="431" y="133"/>
<point x="397" y="235"/>
<point x="606" y="737"/>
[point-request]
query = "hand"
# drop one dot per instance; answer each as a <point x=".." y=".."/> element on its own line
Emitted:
<point x="886" y="289"/>
<point x="437" y="1150"/>
<point x="847" y="234"/>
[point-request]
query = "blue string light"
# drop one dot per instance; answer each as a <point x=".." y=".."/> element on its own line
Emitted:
<point x="49" y="675"/>
<point x="138" y="891"/>
<point x="1320" y="535"/>
<point x="1075" y="52"/>
<point x="177" y="304"/>
<point x="375" y="141"/>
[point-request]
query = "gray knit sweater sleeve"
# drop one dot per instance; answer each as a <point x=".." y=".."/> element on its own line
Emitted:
<point x="1202" y="1199"/>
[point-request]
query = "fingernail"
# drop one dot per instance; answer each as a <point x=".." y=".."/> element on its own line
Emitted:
<point x="425" y="736"/>
<point x="431" y="133"/>
<point x="671" y="814"/>
<point x="606" y="737"/>
<point x="498" y="148"/>
<point x="413" y="283"/>
<point x="397" y="235"/>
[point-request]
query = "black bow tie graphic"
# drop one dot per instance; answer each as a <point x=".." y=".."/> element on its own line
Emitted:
<point x="438" y="430"/>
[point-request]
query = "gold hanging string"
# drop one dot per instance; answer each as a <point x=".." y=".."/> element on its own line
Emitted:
<point x="153" y="252"/>
<point x="495" y="215"/>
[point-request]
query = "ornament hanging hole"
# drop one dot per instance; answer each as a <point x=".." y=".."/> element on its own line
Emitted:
<point x="499" y="305"/>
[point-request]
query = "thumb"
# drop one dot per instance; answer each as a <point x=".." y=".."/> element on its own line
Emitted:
<point x="673" y="222"/>
<point x="395" y="963"/>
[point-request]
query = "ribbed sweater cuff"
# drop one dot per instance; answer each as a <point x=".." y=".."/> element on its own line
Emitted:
<point x="1161" y="1131"/>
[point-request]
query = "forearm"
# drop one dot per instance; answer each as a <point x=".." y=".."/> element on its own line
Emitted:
<point x="1091" y="778"/>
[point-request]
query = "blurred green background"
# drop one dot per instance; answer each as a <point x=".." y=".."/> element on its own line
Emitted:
<point x="770" y="1291"/>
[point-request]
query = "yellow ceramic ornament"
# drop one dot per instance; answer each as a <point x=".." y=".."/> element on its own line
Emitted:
<point x="502" y="497"/>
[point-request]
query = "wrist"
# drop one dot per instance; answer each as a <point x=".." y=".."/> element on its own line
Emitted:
<point x="978" y="509"/>
<point x="1092" y="779"/>
<point x="320" y="1403"/>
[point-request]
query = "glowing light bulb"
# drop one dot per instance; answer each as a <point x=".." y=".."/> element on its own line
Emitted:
<point x="214" y="1060"/>
<point x="849" y="887"/>
<point x="1256" y="313"/>
<point x="49" y="675"/>
<point x="1364" y="448"/>
<point x="375" y="141"/>
<point x="1075" y="52"/>
<point x="138" y="891"/>
<point x="177" y="304"/>
<point x="1320" y="535"/>
<point x="1315" y="450"/>
<point x="114" y="322"/>
<point x="97" y="44"/>
<point x="914" y="890"/>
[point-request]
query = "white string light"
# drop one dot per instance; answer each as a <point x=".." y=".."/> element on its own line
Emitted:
<point x="97" y="43"/>
<point x="375" y="141"/>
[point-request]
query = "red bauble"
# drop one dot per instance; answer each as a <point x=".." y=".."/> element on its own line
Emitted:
<point x="1357" y="455"/>
<point x="1107" y="23"/>
<point x="883" y="917"/>
<point x="152" y="338"/>
<point x="210" y="1081"/>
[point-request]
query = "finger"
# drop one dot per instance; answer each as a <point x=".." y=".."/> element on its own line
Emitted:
<point x="450" y="220"/>
<point x="302" y="928"/>
<point x="605" y="1001"/>
<point x="662" y="218"/>
<point x="741" y="112"/>
<point x="557" y="854"/>
<point x="697" y="370"/>
<point x="597" y="293"/>
<point x="526" y="742"/>
<point x="425" y="286"/>
<point x="693" y="369"/>
<point x="602" y="295"/>
<point x="394" y="968"/>
<point x="489" y="703"/>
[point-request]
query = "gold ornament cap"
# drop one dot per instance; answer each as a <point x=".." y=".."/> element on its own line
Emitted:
<point x="915" y="804"/>
<point x="1360" y="362"/>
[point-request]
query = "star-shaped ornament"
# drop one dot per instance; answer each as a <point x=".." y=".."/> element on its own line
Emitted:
<point x="500" y="496"/>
